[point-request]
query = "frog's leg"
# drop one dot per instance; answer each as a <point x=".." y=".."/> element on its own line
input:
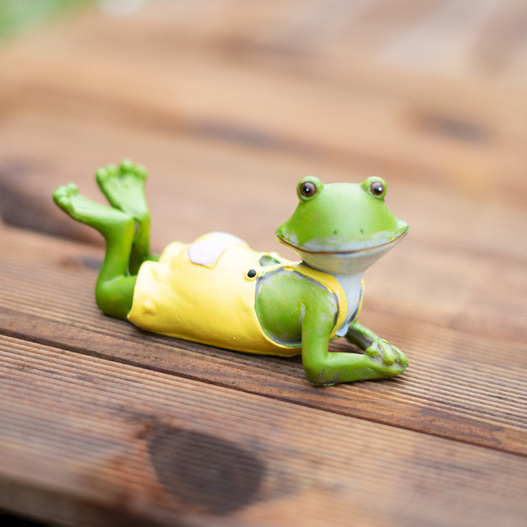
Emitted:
<point x="115" y="286"/>
<point x="325" y="368"/>
<point x="124" y="187"/>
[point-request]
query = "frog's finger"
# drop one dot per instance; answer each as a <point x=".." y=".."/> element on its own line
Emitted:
<point x="374" y="351"/>
<point x="401" y="357"/>
<point x="388" y="353"/>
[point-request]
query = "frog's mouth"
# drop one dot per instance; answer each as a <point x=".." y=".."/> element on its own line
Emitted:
<point x="354" y="252"/>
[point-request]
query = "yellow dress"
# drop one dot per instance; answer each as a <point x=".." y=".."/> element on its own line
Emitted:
<point x="205" y="292"/>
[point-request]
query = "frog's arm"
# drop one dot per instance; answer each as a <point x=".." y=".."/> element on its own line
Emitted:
<point x="291" y="307"/>
<point x="325" y="368"/>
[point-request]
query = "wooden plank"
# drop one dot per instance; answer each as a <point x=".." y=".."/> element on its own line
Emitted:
<point x="457" y="386"/>
<point x="129" y="442"/>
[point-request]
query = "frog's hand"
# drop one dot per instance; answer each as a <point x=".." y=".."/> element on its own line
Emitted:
<point x="325" y="368"/>
<point x="376" y="347"/>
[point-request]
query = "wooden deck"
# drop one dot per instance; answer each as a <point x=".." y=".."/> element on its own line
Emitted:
<point x="229" y="104"/>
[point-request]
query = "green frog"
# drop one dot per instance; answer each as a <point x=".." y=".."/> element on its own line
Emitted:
<point x="219" y="292"/>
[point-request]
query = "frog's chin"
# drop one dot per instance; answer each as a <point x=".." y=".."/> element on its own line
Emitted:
<point x="344" y="262"/>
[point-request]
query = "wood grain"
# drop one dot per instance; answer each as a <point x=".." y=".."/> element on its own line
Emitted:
<point x="135" y="442"/>
<point x="456" y="387"/>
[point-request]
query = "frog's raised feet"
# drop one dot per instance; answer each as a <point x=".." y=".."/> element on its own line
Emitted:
<point x="124" y="187"/>
<point x="101" y="217"/>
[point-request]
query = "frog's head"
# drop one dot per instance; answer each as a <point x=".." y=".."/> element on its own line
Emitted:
<point x="341" y="227"/>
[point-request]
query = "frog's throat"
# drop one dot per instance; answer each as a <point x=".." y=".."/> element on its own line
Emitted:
<point x="344" y="253"/>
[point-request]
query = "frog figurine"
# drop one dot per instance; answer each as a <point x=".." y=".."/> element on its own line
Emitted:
<point x="218" y="291"/>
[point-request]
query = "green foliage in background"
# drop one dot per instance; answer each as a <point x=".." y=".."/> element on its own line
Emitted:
<point x="22" y="15"/>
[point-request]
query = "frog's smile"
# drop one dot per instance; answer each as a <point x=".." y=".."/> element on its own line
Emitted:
<point x="353" y="252"/>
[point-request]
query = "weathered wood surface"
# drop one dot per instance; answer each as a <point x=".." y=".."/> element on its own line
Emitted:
<point x="229" y="104"/>
<point x="164" y="448"/>
<point x="455" y="387"/>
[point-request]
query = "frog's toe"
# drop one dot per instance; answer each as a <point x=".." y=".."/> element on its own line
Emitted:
<point x="102" y="175"/>
<point x="106" y="173"/>
<point x="64" y="194"/>
<point x="373" y="351"/>
<point x="388" y="356"/>
<point x="127" y="166"/>
<point x="402" y="358"/>
<point x="71" y="188"/>
<point x="64" y="202"/>
<point x="141" y="172"/>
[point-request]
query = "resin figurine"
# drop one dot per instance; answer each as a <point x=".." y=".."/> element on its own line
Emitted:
<point x="219" y="292"/>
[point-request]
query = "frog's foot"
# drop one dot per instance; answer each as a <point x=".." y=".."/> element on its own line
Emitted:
<point x="124" y="187"/>
<point x="386" y="358"/>
<point x="101" y="217"/>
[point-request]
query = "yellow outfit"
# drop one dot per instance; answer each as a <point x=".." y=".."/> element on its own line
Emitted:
<point x="211" y="298"/>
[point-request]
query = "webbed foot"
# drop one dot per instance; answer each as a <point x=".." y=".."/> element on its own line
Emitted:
<point x="82" y="209"/>
<point x="124" y="187"/>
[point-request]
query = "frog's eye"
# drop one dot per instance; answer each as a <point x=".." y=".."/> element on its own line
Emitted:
<point x="375" y="187"/>
<point x="308" y="187"/>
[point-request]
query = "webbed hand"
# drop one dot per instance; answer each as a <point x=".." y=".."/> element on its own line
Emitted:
<point x="324" y="368"/>
<point x="382" y="349"/>
<point x="383" y="355"/>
